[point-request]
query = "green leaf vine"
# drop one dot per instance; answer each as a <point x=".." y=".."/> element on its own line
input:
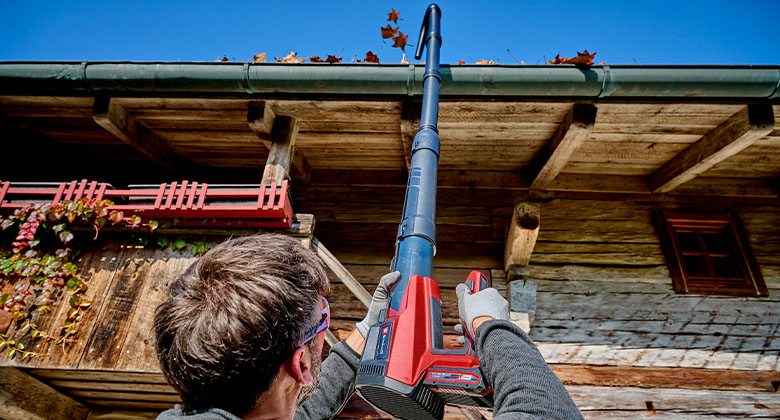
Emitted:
<point x="42" y="273"/>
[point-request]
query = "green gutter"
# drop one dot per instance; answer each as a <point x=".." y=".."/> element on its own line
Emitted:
<point x="388" y="80"/>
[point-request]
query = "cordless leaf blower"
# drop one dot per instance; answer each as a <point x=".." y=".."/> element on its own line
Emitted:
<point x="405" y="369"/>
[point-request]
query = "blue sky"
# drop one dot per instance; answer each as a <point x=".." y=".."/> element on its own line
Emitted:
<point x="621" y="32"/>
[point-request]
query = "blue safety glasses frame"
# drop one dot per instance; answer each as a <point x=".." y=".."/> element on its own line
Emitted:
<point x="322" y="326"/>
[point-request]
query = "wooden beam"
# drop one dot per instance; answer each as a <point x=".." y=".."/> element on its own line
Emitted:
<point x="262" y="120"/>
<point x="569" y="136"/>
<point x="410" y="122"/>
<point x="116" y="120"/>
<point x="521" y="235"/>
<point x="23" y="397"/>
<point x="341" y="273"/>
<point x="731" y="137"/>
<point x="674" y="377"/>
<point x="280" y="156"/>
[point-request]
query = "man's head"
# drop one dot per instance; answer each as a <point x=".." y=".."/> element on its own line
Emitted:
<point x="234" y="318"/>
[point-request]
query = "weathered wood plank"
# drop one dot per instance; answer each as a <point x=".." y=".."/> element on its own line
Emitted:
<point x="728" y="139"/>
<point x="683" y="378"/>
<point x="731" y="404"/>
<point x="23" y="397"/>
<point x="138" y="352"/>
<point x="97" y="375"/>
<point x="104" y="347"/>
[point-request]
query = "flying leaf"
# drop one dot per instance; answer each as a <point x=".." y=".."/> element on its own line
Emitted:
<point x="392" y="16"/>
<point x="400" y="40"/>
<point x="371" y="58"/>
<point x="388" y="31"/>
<point x="333" y="59"/>
<point x="259" y="58"/>
<point x="316" y="59"/>
<point x="583" y="58"/>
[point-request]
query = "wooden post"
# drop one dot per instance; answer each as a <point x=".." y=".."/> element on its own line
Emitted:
<point x="521" y="235"/>
<point x="281" y="154"/>
<point x="23" y="397"/>
<point x="734" y="135"/>
<point x="262" y="120"/>
<point x="341" y="273"/>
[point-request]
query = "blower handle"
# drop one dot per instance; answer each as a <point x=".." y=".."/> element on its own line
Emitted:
<point x="476" y="282"/>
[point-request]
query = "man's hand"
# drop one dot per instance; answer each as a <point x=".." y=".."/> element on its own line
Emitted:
<point x="378" y="302"/>
<point x="477" y="308"/>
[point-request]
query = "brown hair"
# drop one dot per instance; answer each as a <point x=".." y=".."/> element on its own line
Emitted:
<point x="234" y="317"/>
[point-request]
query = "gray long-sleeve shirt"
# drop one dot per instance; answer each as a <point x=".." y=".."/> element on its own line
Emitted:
<point x="524" y="386"/>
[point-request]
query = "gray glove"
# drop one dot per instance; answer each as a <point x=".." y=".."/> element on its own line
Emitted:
<point x="378" y="302"/>
<point x="487" y="302"/>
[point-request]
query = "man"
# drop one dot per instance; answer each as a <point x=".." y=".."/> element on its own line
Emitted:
<point x="242" y="331"/>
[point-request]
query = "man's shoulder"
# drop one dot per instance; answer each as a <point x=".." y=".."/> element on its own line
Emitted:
<point x="176" y="413"/>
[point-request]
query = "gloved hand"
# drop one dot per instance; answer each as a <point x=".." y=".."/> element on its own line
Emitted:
<point x="487" y="302"/>
<point x="378" y="302"/>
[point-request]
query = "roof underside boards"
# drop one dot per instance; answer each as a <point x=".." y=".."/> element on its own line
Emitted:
<point x="627" y="140"/>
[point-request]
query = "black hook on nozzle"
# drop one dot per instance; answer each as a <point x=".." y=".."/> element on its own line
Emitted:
<point x="430" y="24"/>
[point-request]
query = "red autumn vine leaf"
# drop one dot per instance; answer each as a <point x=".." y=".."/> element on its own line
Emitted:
<point x="392" y="16"/>
<point x="388" y="31"/>
<point x="371" y="58"/>
<point x="400" y="40"/>
<point x="583" y="58"/>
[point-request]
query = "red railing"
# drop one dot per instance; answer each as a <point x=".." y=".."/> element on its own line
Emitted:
<point x="190" y="202"/>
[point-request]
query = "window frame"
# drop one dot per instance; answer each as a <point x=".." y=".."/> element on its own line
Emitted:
<point x="670" y="223"/>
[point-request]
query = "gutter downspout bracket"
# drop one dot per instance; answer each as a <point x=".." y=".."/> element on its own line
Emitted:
<point x="410" y="81"/>
<point x="607" y="86"/>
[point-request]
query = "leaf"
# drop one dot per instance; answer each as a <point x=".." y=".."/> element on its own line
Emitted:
<point x="259" y="58"/>
<point x="116" y="216"/>
<point x="583" y="58"/>
<point x="66" y="236"/>
<point x="74" y="301"/>
<point x="198" y="249"/>
<point x="84" y="303"/>
<point x="333" y="59"/>
<point x="153" y="224"/>
<point x="292" y="57"/>
<point x="393" y="16"/>
<point x="485" y="62"/>
<point x="224" y="58"/>
<point x="179" y="244"/>
<point x="162" y="241"/>
<point x="6" y="223"/>
<point x="20" y="346"/>
<point x="72" y="283"/>
<point x="400" y="40"/>
<point x="461" y="62"/>
<point x="72" y="313"/>
<point x="11" y="353"/>
<point x="371" y="58"/>
<point x="388" y="31"/>
<point x="316" y="59"/>
<point x="135" y="221"/>
<point x="60" y="253"/>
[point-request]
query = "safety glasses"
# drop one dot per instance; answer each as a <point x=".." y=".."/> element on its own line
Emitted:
<point x="322" y="326"/>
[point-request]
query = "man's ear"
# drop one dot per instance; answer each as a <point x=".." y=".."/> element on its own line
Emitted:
<point x="300" y="366"/>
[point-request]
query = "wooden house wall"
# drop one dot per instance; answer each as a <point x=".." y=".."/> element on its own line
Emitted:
<point x="607" y="318"/>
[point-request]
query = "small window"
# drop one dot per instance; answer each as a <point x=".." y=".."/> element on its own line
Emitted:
<point x="709" y="254"/>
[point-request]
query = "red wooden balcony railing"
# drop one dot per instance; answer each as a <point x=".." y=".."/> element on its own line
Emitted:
<point x="191" y="203"/>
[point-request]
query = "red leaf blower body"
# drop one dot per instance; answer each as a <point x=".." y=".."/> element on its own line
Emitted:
<point x="405" y="369"/>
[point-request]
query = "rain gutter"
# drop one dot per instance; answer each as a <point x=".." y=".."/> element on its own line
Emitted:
<point x="234" y="79"/>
